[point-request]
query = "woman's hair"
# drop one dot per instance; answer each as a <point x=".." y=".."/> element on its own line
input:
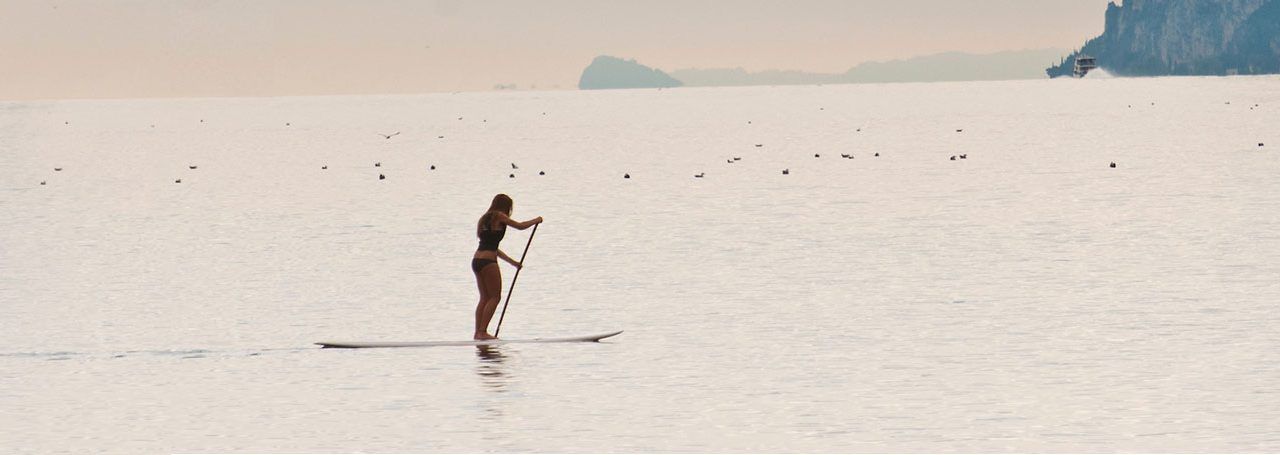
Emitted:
<point x="501" y="203"/>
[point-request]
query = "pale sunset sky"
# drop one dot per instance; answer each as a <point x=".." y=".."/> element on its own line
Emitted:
<point x="178" y="48"/>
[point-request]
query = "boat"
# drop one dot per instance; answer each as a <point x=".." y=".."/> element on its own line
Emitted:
<point x="1084" y="64"/>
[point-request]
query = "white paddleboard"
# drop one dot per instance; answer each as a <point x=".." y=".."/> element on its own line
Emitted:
<point x="420" y="344"/>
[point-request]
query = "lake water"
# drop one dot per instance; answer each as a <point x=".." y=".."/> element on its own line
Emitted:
<point x="1026" y="298"/>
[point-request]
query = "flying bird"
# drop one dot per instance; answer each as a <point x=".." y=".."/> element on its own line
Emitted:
<point x="389" y="136"/>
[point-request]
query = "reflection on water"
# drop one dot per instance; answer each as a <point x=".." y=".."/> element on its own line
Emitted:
<point x="494" y="377"/>
<point x="492" y="373"/>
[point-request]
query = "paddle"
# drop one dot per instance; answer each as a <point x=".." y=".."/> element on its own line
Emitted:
<point x="513" y="280"/>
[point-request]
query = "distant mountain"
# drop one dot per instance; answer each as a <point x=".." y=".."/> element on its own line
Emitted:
<point x="607" y="72"/>
<point x="957" y="66"/>
<point x="721" y="77"/>
<point x="1185" y="37"/>
<point x="949" y="66"/>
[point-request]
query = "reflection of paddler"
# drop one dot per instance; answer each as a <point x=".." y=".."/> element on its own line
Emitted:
<point x="490" y="229"/>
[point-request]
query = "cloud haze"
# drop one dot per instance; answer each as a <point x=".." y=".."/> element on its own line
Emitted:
<point x="139" y="48"/>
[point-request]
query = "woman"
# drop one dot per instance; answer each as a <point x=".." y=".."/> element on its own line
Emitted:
<point x="491" y="228"/>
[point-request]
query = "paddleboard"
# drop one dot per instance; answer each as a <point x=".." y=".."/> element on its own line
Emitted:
<point x="422" y="344"/>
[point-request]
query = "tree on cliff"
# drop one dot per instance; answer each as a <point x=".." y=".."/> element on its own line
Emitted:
<point x="1185" y="37"/>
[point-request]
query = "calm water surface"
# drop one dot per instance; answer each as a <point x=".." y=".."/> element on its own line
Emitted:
<point x="1026" y="298"/>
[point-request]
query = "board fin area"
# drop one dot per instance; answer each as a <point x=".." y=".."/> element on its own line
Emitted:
<point x="424" y="344"/>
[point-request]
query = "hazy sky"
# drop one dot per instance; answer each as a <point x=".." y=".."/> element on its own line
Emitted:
<point x="136" y="48"/>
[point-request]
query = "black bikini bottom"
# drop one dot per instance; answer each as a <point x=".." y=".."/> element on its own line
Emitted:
<point x="477" y="264"/>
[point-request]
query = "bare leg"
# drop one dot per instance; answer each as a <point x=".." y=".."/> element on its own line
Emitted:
<point x="490" y="282"/>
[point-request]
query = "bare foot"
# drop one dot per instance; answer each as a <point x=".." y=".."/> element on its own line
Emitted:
<point x="483" y="336"/>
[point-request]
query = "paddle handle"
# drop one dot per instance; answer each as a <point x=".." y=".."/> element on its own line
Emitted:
<point x="513" y="280"/>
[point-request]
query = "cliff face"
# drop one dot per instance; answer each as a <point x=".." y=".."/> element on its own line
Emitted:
<point x="607" y="72"/>
<point x="1185" y="37"/>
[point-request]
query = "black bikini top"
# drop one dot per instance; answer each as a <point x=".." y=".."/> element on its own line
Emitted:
<point x="489" y="238"/>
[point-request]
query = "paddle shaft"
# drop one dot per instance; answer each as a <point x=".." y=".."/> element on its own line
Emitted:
<point x="513" y="280"/>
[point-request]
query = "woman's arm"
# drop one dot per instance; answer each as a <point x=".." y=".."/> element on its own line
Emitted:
<point x="513" y="262"/>
<point x="521" y="225"/>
